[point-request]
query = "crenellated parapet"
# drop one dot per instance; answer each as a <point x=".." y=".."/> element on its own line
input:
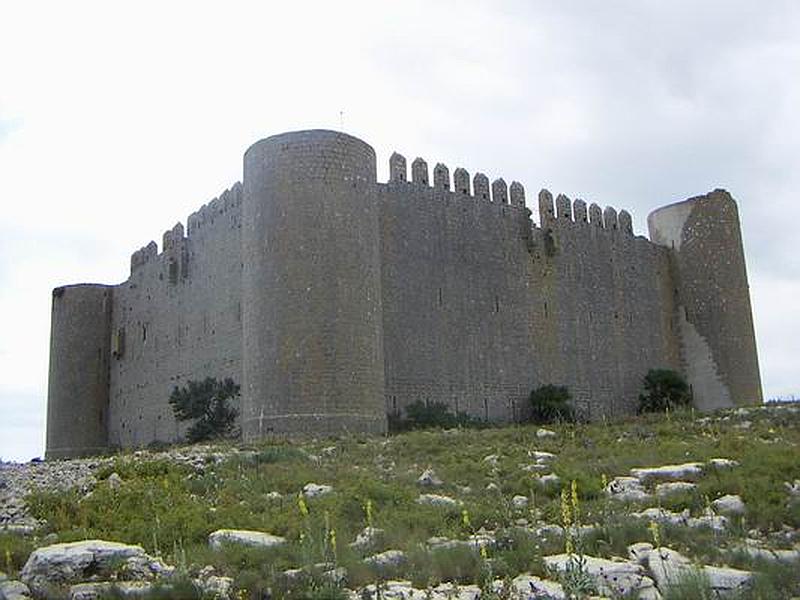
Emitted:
<point x="481" y="185"/>
<point x="610" y="218"/>
<point x="419" y="171"/>
<point x="563" y="208"/>
<point x="596" y="215"/>
<point x="497" y="192"/>
<point x="579" y="211"/>
<point x="517" y="193"/>
<point x="441" y="177"/>
<point x="229" y="201"/>
<point x="397" y="168"/>
<point x="625" y="222"/>
<point x="566" y="211"/>
<point x="546" y="212"/>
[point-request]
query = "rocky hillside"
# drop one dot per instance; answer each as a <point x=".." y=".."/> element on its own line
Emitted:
<point x="671" y="506"/>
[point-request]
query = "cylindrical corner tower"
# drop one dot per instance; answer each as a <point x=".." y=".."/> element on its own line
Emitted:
<point x="78" y="393"/>
<point x="714" y="316"/>
<point x="311" y="287"/>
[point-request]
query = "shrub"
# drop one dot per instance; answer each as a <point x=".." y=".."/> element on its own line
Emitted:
<point x="550" y="404"/>
<point x="664" y="390"/>
<point x="208" y="403"/>
<point x="422" y="415"/>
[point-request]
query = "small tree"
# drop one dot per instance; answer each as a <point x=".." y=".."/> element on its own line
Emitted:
<point x="664" y="390"/>
<point x="207" y="402"/>
<point x="550" y="403"/>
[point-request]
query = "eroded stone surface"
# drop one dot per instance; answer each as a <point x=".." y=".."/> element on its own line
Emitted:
<point x="243" y="537"/>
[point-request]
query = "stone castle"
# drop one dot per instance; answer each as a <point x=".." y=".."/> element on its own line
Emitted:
<point x="335" y="300"/>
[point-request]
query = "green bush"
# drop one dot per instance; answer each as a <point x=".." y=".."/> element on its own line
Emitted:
<point x="428" y="415"/>
<point x="550" y="404"/>
<point x="206" y="402"/>
<point x="664" y="390"/>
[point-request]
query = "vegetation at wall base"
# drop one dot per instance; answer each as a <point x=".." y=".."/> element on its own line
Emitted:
<point x="664" y="390"/>
<point x="550" y="404"/>
<point x="207" y="403"/>
<point x="428" y="415"/>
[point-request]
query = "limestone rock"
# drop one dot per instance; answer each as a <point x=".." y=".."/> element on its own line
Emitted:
<point x="107" y="589"/>
<point x="542" y="457"/>
<point x="386" y="560"/>
<point x="752" y="549"/>
<point x="669" y="568"/>
<point x="729" y="505"/>
<point x="627" y="489"/>
<point x="519" y="502"/>
<point x="725" y="581"/>
<point x="64" y="564"/>
<point x="315" y="490"/>
<point x="491" y="459"/>
<point x="663" y="516"/>
<point x="543" y="433"/>
<point x="438" y="500"/>
<point x="683" y="472"/>
<point x="14" y="590"/>
<point x="114" y="481"/>
<point x="671" y="488"/>
<point x="368" y="539"/>
<point x="214" y="586"/>
<point x="549" y="480"/>
<point x="528" y="587"/>
<point x="640" y="552"/>
<point x="722" y="463"/>
<point x="611" y="578"/>
<point x="429" y="479"/>
<point x="709" y="520"/>
<point x="244" y="538"/>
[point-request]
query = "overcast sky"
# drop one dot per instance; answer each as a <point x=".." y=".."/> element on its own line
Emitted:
<point x="119" y="119"/>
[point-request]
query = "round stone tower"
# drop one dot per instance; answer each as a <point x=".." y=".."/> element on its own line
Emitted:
<point x="714" y="316"/>
<point x="311" y="287"/>
<point x="80" y="339"/>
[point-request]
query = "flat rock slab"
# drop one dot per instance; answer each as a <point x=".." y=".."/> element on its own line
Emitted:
<point x="107" y="589"/>
<point x="438" y="500"/>
<point x="14" y="590"/>
<point x="672" y="488"/>
<point x="243" y="537"/>
<point x="315" y="490"/>
<point x="612" y="578"/>
<point x="670" y="568"/>
<point x="729" y="505"/>
<point x="528" y="587"/>
<point x="627" y="489"/>
<point x="63" y="564"/>
<point x="684" y="472"/>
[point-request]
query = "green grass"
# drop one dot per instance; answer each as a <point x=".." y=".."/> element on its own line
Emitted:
<point x="170" y="509"/>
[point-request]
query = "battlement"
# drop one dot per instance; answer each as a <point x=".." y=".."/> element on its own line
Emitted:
<point x="566" y="211"/>
<point x="228" y="201"/>
<point x="498" y="192"/>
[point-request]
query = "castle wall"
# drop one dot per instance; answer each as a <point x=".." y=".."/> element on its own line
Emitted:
<point x="454" y="277"/>
<point x="177" y="318"/>
<point x="334" y="300"/>
<point x="480" y="307"/>
<point x="601" y="309"/>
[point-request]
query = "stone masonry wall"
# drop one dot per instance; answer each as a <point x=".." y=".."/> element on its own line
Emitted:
<point x="177" y="318"/>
